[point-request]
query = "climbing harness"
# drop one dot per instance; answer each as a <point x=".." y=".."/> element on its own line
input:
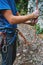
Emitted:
<point x="3" y="43"/>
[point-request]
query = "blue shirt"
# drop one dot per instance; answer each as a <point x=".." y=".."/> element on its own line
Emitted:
<point x="4" y="24"/>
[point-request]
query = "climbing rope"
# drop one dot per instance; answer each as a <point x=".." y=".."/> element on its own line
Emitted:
<point x="21" y="34"/>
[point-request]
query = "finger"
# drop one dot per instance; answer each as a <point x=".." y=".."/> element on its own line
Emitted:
<point x="36" y="20"/>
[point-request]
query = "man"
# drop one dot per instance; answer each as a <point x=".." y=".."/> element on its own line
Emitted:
<point x="9" y="18"/>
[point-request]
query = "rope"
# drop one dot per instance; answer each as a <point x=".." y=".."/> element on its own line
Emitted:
<point x="21" y="34"/>
<point x="36" y="4"/>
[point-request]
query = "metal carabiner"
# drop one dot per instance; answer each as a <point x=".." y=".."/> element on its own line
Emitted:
<point x="4" y="48"/>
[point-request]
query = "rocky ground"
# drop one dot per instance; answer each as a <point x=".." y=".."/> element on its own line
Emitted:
<point x="32" y="54"/>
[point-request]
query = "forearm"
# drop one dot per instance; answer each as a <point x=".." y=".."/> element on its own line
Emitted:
<point x="27" y="22"/>
<point x="20" y="19"/>
<point x="12" y="19"/>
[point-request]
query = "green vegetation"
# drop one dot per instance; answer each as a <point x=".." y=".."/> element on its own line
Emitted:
<point x="38" y="29"/>
<point x="22" y="6"/>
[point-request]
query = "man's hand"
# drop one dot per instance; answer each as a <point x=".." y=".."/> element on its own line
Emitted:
<point x="28" y="22"/>
<point x="32" y="22"/>
<point x="35" y="13"/>
<point x="35" y="19"/>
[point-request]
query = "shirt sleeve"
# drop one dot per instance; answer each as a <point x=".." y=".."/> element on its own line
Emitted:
<point x="15" y="7"/>
<point x="4" y="5"/>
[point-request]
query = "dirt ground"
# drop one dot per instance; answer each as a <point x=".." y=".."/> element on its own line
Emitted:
<point x="33" y="54"/>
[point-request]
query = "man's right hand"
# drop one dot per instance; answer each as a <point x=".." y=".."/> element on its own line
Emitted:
<point x="35" y="13"/>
